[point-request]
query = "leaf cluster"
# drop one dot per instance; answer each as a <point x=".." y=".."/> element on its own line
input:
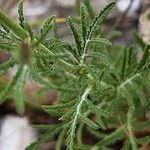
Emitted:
<point x="100" y="94"/>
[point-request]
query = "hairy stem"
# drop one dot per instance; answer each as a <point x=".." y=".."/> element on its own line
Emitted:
<point x="78" y="109"/>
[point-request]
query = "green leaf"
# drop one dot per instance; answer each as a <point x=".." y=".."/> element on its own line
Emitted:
<point x="38" y="78"/>
<point x="66" y="117"/>
<point x="130" y="129"/>
<point x="19" y="90"/>
<point x="5" y="66"/>
<point x="124" y="63"/>
<point x="22" y="21"/>
<point x="5" y="35"/>
<point x="118" y="134"/>
<point x="83" y="23"/>
<point x="55" y="29"/>
<point x="60" y="105"/>
<point x="74" y="119"/>
<point x="75" y="35"/>
<point x="7" y="47"/>
<point x="79" y="133"/>
<point x="141" y="125"/>
<point x="131" y="55"/>
<point x="8" y="89"/>
<point x="44" y="30"/>
<point x="58" y="109"/>
<point x="89" y="8"/>
<point x="126" y="145"/>
<point x="101" y="41"/>
<point x="144" y="140"/>
<point x="129" y="97"/>
<point x="97" y="133"/>
<point x="47" y="126"/>
<point x="14" y="27"/>
<point x="43" y="138"/>
<point x="21" y="14"/>
<point x="60" y="140"/>
<point x="96" y="110"/>
<point x="100" y="122"/>
<point x="102" y="57"/>
<point x="139" y="92"/>
<point x="66" y="66"/>
<point x="99" y="19"/>
<point x="88" y="122"/>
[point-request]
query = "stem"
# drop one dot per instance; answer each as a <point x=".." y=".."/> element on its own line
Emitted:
<point x="15" y="28"/>
<point x="84" y="52"/>
<point x="78" y="109"/>
<point x="129" y="81"/>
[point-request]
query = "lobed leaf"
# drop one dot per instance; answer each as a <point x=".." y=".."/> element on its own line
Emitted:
<point x="8" y="89"/>
<point x="88" y="122"/>
<point x="19" y="90"/>
<point x="75" y="35"/>
<point x="89" y="8"/>
<point x="99" y="19"/>
<point x="44" y="30"/>
<point x="113" y="137"/>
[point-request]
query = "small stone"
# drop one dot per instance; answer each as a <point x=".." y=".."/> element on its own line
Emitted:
<point x="144" y="26"/>
<point x="16" y="133"/>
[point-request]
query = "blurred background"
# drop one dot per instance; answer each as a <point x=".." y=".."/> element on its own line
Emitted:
<point x="129" y="16"/>
<point x="125" y="15"/>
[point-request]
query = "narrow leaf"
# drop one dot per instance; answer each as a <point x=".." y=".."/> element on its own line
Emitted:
<point x="75" y="34"/>
<point x="21" y="14"/>
<point x="102" y="57"/>
<point x="60" y="140"/>
<point x="101" y="41"/>
<point x="89" y="8"/>
<point x="124" y="63"/>
<point x="10" y="86"/>
<point x="96" y="110"/>
<point x="118" y="134"/>
<point x="44" y="30"/>
<point x="83" y="23"/>
<point x="43" y="138"/>
<point x="88" y="122"/>
<point x="144" y="140"/>
<point x="5" y="66"/>
<point x="19" y="90"/>
<point x="99" y="19"/>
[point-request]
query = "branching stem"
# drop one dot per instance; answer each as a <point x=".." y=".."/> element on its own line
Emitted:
<point x="129" y="81"/>
<point x="78" y="110"/>
<point x="84" y="52"/>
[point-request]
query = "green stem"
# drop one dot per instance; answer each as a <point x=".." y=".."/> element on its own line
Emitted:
<point x="15" y="28"/>
<point x="75" y="119"/>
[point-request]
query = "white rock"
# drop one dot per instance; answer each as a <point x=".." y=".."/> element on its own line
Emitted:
<point x="16" y="133"/>
<point x="34" y="9"/>
<point x="144" y="26"/>
<point x="123" y="5"/>
<point x="66" y="3"/>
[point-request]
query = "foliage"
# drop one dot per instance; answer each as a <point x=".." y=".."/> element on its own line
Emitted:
<point x="105" y="95"/>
